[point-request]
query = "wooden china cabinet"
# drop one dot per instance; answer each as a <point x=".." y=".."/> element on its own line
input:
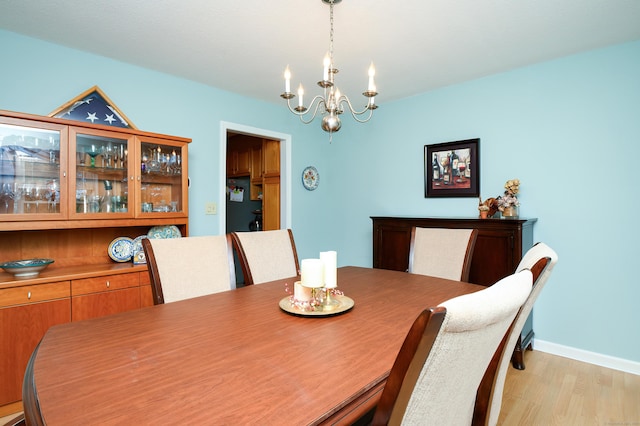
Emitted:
<point x="67" y="190"/>
<point x="498" y="250"/>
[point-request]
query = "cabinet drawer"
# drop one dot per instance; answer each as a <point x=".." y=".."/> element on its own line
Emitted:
<point x="105" y="283"/>
<point x="104" y="303"/>
<point x="144" y="278"/>
<point x="34" y="293"/>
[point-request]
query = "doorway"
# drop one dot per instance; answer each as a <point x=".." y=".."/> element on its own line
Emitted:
<point x="284" y="190"/>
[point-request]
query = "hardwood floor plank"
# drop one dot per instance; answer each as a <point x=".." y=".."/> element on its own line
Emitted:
<point x="553" y="390"/>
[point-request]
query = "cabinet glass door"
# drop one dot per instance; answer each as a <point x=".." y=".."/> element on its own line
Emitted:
<point x="101" y="179"/>
<point x="162" y="183"/>
<point x="31" y="172"/>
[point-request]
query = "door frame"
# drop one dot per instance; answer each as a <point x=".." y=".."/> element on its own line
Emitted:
<point x="285" y="170"/>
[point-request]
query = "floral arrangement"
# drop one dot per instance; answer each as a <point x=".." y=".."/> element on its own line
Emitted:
<point x="314" y="303"/>
<point x="509" y="199"/>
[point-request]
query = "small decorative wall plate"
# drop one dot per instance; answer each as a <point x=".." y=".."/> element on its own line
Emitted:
<point x="121" y="249"/>
<point x="310" y="178"/>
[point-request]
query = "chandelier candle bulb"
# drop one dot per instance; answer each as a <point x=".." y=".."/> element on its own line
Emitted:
<point x="300" y="94"/>
<point x="312" y="273"/>
<point x="372" y="73"/>
<point x="325" y="70"/>
<point x="287" y="80"/>
<point x="330" y="262"/>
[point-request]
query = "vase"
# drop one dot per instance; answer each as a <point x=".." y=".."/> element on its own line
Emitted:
<point x="484" y="214"/>
<point x="510" y="212"/>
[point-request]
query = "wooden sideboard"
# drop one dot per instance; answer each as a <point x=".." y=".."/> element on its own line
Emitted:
<point x="498" y="250"/>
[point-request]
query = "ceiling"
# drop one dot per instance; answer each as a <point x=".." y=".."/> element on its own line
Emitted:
<point x="244" y="46"/>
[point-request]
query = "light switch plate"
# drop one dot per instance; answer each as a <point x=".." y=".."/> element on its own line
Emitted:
<point x="210" y="208"/>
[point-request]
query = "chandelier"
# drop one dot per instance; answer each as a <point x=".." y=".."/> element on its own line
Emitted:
<point x="332" y="101"/>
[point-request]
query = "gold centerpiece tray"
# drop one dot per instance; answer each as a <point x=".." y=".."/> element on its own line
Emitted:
<point x="341" y="305"/>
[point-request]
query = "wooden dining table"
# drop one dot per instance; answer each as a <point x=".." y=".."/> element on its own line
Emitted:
<point x="231" y="358"/>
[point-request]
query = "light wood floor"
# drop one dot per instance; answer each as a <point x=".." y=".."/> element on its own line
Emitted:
<point x="553" y="390"/>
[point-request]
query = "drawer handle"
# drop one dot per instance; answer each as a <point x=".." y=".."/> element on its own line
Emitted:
<point x="108" y="284"/>
<point x="29" y="295"/>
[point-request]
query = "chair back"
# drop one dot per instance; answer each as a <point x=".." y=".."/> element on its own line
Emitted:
<point x="540" y="259"/>
<point x="182" y="268"/>
<point x="266" y="255"/>
<point x="439" y="376"/>
<point x="442" y="252"/>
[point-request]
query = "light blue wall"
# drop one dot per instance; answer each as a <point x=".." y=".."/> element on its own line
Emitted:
<point x="568" y="129"/>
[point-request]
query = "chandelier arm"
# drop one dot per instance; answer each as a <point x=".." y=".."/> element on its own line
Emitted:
<point x="355" y="113"/>
<point x="301" y="114"/>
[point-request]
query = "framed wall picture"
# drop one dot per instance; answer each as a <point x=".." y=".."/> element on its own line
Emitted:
<point x="452" y="169"/>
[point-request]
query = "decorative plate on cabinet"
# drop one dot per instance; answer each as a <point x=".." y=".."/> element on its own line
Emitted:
<point x="121" y="249"/>
<point x="169" y="231"/>
<point x="310" y="178"/>
<point x="28" y="268"/>
<point x="138" y="251"/>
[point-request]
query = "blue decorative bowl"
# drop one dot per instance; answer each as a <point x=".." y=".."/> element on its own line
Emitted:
<point x="28" y="268"/>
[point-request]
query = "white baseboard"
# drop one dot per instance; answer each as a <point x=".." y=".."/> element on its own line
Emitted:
<point x="607" y="361"/>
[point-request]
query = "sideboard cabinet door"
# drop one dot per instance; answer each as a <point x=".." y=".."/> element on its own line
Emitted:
<point x="26" y="313"/>
<point x="100" y="296"/>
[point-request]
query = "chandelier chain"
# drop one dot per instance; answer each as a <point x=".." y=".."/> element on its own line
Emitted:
<point x="331" y="32"/>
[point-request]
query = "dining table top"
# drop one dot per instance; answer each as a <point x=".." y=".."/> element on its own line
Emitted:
<point x="233" y="357"/>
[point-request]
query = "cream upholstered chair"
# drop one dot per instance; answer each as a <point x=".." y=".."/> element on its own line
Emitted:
<point x="540" y="259"/>
<point x="444" y="357"/>
<point x="266" y="255"/>
<point x="442" y="252"/>
<point x="182" y="268"/>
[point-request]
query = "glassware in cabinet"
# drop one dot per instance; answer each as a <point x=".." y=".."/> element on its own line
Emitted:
<point x="162" y="185"/>
<point x="32" y="176"/>
<point x="101" y="182"/>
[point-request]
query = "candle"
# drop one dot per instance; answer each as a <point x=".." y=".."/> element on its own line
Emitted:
<point x="372" y="73"/>
<point x="325" y="69"/>
<point x="287" y="80"/>
<point x="300" y="292"/>
<point x="300" y="94"/>
<point x="312" y="273"/>
<point x="329" y="261"/>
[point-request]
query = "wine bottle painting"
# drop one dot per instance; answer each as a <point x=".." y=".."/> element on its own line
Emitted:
<point x="452" y="169"/>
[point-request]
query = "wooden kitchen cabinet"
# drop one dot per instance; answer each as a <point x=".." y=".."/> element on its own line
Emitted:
<point x="499" y="247"/>
<point x="26" y="313"/>
<point x="255" y="181"/>
<point x="271" y="158"/>
<point x="238" y="160"/>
